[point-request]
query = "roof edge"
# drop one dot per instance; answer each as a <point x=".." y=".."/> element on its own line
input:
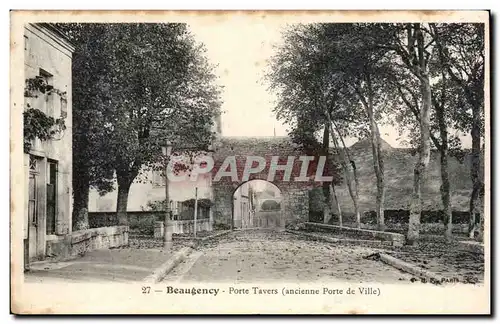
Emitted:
<point x="57" y="34"/>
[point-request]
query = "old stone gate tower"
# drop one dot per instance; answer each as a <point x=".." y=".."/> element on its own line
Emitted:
<point x="295" y="206"/>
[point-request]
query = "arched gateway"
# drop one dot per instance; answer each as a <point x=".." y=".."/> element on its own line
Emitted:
<point x="257" y="203"/>
<point x="249" y="152"/>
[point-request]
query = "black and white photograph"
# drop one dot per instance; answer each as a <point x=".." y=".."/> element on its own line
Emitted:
<point x="250" y="162"/>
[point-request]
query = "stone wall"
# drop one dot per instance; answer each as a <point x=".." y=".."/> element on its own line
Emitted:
<point x="223" y="204"/>
<point x="425" y="228"/>
<point x="399" y="164"/>
<point x="105" y="219"/>
<point x="83" y="241"/>
<point x="296" y="205"/>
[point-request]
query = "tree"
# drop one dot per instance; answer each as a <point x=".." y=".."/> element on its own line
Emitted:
<point x="411" y="43"/>
<point x="347" y="71"/>
<point x="307" y="98"/>
<point x="270" y="205"/>
<point x="371" y="45"/>
<point x="91" y="157"/>
<point x="448" y="102"/>
<point x="360" y="66"/>
<point x="305" y="135"/>
<point x="444" y="101"/>
<point x="161" y="88"/>
<point x="461" y="47"/>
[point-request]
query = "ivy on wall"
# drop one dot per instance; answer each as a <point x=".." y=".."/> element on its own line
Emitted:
<point x="36" y="123"/>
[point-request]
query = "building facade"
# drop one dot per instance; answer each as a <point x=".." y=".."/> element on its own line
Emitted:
<point x="48" y="164"/>
<point x="150" y="189"/>
<point x="243" y="208"/>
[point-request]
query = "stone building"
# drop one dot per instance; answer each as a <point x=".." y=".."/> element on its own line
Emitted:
<point x="48" y="164"/>
<point x="243" y="208"/>
<point x="150" y="188"/>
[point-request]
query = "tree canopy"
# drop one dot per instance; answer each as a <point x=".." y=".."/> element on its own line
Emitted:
<point x="426" y="79"/>
<point x="137" y="86"/>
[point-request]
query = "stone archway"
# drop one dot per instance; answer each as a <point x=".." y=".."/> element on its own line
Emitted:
<point x="295" y="199"/>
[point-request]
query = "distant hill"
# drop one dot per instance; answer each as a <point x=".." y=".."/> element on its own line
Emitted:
<point x="399" y="164"/>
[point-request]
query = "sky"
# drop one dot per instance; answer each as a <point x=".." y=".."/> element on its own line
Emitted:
<point x="241" y="48"/>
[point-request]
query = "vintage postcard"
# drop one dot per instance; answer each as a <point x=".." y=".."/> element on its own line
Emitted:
<point x="232" y="162"/>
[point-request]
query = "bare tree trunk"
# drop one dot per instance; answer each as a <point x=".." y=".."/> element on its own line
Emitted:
<point x="125" y="176"/>
<point x="443" y="150"/>
<point x="380" y="205"/>
<point x="326" y="213"/>
<point x="80" y="199"/>
<point x="422" y="162"/>
<point x="353" y="189"/>
<point x="122" y="202"/>
<point x="379" y="173"/>
<point x="345" y="161"/>
<point x="443" y="146"/>
<point x="356" y="195"/>
<point x="473" y="90"/>
<point x="424" y="151"/>
<point x="326" y="186"/>
<point x="473" y="208"/>
<point x="445" y="195"/>
<point x="480" y="236"/>
<point x="378" y="162"/>
<point x="475" y="166"/>
<point x="445" y="181"/>
<point x="339" y="209"/>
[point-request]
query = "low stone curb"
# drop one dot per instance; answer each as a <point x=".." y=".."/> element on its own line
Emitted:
<point x="474" y="247"/>
<point x="316" y="236"/>
<point x="169" y="265"/>
<point x="178" y="257"/>
<point x="332" y="239"/>
<point x="250" y="229"/>
<point x="397" y="240"/>
<point x="411" y="268"/>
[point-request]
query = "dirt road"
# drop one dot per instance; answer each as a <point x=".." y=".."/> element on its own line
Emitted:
<point x="271" y="256"/>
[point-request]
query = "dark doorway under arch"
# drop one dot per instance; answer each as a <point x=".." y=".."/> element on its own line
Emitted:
<point x="257" y="204"/>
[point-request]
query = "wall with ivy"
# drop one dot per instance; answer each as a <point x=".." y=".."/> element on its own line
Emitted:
<point x="47" y="121"/>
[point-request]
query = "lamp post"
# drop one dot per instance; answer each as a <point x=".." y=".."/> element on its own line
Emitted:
<point x="167" y="226"/>
<point x="195" y="209"/>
